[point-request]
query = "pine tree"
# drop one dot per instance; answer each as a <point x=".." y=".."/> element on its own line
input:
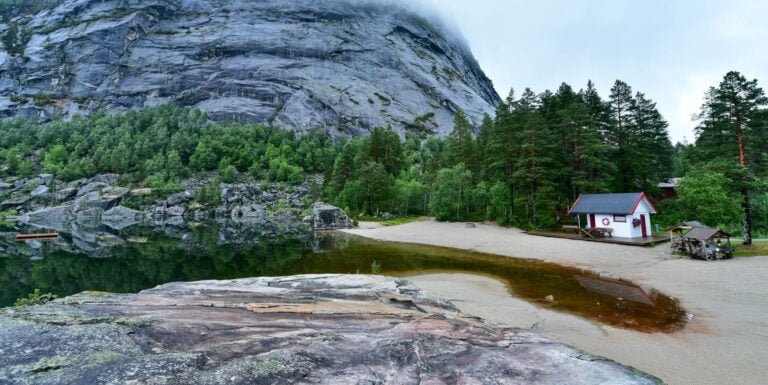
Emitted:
<point x="619" y="136"/>
<point x="579" y="156"/>
<point x="732" y="130"/>
<point x="460" y="145"/>
<point x="534" y="167"/>
<point x="503" y="149"/>
<point x="384" y="146"/>
<point x="587" y="156"/>
<point x="343" y="169"/>
<point x="598" y="110"/>
<point x="483" y="141"/>
<point x="376" y="187"/>
<point x="652" y="147"/>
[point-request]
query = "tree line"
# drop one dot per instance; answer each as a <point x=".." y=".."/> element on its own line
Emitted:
<point x="159" y="147"/>
<point x="523" y="167"/>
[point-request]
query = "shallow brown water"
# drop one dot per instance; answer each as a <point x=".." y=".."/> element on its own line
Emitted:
<point x="131" y="267"/>
<point x="609" y="301"/>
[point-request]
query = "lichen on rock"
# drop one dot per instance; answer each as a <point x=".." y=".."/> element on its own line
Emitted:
<point x="326" y="329"/>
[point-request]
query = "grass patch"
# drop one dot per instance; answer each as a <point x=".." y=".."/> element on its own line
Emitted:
<point x="4" y="215"/>
<point x="43" y="99"/>
<point x="755" y="249"/>
<point x="18" y="99"/>
<point x="394" y="221"/>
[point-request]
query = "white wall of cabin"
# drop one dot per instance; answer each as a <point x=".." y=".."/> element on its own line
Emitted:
<point x="625" y="229"/>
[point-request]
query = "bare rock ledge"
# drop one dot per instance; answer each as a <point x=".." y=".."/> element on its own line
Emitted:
<point x="320" y="329"/>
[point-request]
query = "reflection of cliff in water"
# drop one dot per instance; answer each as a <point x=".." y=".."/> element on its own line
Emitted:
<point x="99" y="241"/>
<point x="139" y="257"/>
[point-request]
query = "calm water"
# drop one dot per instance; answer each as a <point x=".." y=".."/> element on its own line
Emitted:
<point x="143" y="258"/>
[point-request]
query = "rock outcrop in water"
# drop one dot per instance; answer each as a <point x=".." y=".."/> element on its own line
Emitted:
<point x="328" y="217"/>
<point x="91" y="214"/>
<point x="343" y="66"/>
<point x="323" y="329"/>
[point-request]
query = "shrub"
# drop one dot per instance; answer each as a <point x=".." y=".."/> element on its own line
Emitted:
<point x="376" y="267"/>
<point x="35" y="298"/>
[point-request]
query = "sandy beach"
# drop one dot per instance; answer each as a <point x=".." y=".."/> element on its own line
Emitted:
<point x="726" y="342"/>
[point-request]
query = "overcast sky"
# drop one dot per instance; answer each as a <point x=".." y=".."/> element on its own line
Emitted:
<point x="671" y="50"/>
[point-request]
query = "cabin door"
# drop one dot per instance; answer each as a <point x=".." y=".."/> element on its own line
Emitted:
<point x="592" y="221"/>
<point x="642" y="224"/>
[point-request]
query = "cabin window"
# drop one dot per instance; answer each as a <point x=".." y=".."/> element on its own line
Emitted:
<point x="620" y="218"/>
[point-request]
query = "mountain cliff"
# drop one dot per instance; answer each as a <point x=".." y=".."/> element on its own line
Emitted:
<point x="342" y="66"/>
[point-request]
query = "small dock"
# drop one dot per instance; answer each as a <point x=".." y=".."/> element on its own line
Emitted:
<point x="647" y="241"/>
<point x="31" y="237"/>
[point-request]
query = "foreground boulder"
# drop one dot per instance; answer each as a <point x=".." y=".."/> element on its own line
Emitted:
<point x="327" y="217"/>
<point x="321" y="329"/>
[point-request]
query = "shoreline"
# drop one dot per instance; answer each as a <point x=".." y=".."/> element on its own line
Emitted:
<point x="723" y="344"/>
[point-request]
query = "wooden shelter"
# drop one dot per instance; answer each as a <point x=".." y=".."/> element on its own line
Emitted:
<point x="676" y="233"/>
<point x="707" y="243"/>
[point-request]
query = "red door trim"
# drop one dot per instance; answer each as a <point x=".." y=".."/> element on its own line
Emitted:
<point x="592" y="221"/>
<point x="642" y="223"/>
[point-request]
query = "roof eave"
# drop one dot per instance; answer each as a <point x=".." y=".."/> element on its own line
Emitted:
<point x="571" y="212"/>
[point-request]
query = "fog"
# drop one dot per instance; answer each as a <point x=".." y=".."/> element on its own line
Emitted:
<point x="672" y="51"/>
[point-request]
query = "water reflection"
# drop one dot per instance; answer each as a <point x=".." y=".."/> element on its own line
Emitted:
<point x="137" y="258"/>
<point x="619" y="289"/>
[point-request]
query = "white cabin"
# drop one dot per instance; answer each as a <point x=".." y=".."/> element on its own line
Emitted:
<point x="628" y="214"/>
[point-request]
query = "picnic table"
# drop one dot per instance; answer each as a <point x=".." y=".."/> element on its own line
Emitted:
<point x="598" y="232"/>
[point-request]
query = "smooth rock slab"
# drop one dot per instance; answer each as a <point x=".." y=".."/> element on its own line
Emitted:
<point x="320" y="329"/>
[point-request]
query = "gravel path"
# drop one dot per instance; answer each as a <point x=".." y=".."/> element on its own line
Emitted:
<point x="725" y="343"/>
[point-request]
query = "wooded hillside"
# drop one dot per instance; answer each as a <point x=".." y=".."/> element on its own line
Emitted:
<point x="525" y="167"/>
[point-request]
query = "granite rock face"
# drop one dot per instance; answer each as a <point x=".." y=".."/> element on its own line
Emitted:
<point x="342" y="66"/>
<point x="89" y="214"/>
<point x="328" y="217"/>
<point x="320" y="329"/>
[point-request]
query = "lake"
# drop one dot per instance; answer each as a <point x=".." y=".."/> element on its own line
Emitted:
<point x="141" y="258"/>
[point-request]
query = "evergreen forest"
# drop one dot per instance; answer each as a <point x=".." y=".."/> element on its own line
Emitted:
<point x="524" y="167"/>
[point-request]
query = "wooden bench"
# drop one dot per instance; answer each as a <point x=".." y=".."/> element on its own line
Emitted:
<point x="597" y="232"/>
<point x="570" y="228"/>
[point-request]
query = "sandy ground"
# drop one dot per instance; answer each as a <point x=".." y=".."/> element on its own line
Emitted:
<point x="726" y="342"/>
